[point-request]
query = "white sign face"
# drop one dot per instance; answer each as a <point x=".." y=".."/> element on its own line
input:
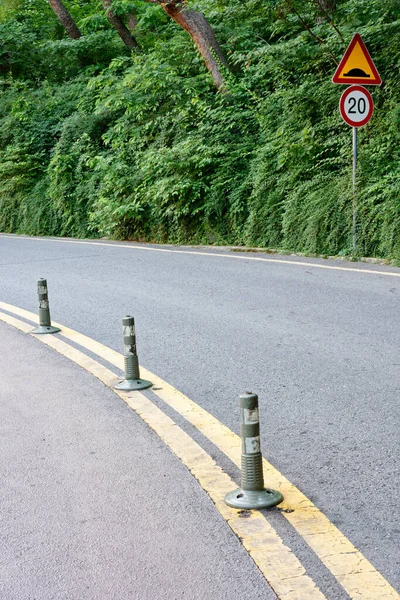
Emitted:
<point x="356" y="106"/>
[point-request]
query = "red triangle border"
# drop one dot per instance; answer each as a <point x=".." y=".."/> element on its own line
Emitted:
<point x="376" y="77"/>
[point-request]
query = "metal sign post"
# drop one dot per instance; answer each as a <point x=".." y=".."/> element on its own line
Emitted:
<point x="354" y="188"/>
<point x="356" y="107"/>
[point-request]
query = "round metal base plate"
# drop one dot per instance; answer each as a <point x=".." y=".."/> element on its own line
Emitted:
<point x="133" y="384"/>
<point x="46" y="329"/>
<point x="260" y="499"/>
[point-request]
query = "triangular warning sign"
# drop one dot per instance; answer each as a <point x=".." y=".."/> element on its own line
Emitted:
<point x="357" y="66"/>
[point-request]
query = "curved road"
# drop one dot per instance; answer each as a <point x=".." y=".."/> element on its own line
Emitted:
<point x="320" y="346"/>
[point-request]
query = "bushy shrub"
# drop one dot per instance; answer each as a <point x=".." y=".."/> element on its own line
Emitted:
<point x="95" y="140"/>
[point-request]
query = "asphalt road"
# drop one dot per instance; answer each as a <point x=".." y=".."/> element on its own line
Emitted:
<point x="93" y="505"/>
<point x="320" y="347"/>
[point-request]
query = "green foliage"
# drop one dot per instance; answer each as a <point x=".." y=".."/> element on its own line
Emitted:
<point x="95" y="140"/>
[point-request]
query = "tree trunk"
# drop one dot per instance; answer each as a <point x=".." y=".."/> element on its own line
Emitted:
<point x="132" y="21"/>
<point x="203" y="37"/>
<point x="121" y="28"/>
<point x="65" y="19"/>
<point x="326" y="7"/>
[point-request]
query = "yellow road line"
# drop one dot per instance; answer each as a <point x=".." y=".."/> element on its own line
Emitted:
<point x="352" y="570"/>
<point x="213" y="254"/>
<point x="280" y="567"/>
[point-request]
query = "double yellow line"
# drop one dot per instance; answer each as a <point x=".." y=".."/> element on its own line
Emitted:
<point x="280" y="567"/>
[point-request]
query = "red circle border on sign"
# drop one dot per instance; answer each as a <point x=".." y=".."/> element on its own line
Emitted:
<point x="362" y="89"/>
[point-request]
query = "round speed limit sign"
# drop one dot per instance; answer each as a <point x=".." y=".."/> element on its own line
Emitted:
<point x="356" y="106"/>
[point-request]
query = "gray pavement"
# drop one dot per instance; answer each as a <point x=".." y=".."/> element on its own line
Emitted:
<point x="92" y="504"/>
<point x="320" y="347"/>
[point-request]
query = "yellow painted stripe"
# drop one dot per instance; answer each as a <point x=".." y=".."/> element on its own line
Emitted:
<point x="280" y="567"/>
<point x="352" y="570"/>
<point x="298" y="263"/>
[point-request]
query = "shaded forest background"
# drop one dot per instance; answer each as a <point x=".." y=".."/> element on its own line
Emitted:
<point x="98" y="139"/>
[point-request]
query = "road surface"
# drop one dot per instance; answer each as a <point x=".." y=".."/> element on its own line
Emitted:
<point x="319" y="345"/>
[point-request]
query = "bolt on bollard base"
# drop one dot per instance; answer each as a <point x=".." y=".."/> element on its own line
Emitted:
<point x="252" y="493"/>
<point x="132" y="379"/>
<point x="45" y="325"/>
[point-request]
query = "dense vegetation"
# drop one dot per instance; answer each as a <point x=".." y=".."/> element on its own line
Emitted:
<point x="99" y="140"/>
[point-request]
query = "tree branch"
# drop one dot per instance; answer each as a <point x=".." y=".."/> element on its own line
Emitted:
<point x="120" y="26"/>
<point x="328" y="18"/>
<point x="199" y="29"/>
<point x="308" y="28"/>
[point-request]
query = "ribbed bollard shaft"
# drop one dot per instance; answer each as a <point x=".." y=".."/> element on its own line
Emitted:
<point x="130" y="353"/>
<point x="45" y="325"/>
<point x="131" y="364"/>
<point x="44" y="309"/>
<point x="252" y="493"/>
<point x="132" y="379"/>
<point x="251" y="472"/>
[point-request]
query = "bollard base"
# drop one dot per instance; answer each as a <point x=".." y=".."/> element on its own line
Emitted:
<point x="253" y="499"/>
<point x="128" y="385"/>
<point x="46" y="329"/>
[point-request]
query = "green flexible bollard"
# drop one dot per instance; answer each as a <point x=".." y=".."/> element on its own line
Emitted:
<point x="132" y="379"/>
<point x="252" y="493"/>
<point x="45" y="325"/>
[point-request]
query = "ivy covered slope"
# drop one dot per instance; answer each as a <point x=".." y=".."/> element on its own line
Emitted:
<point x="101" y="139"/>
